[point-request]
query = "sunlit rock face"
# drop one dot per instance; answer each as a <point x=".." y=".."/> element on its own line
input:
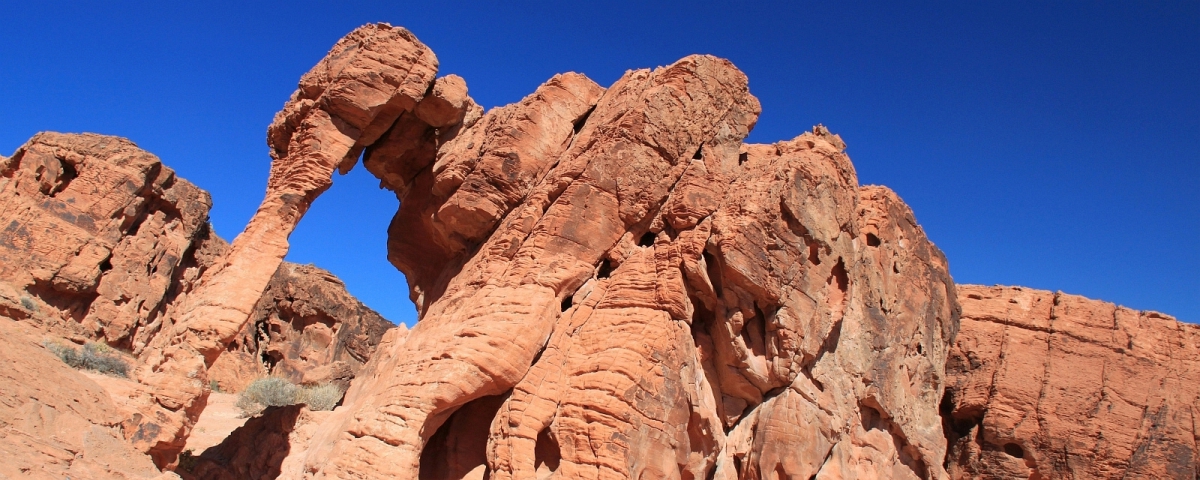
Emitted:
<point x="1051" y="385"/>
<point x="104" y="243"/>
<point x="611" y="284"/>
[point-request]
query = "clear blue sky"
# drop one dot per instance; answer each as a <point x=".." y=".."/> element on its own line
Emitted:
<point x="1049" y="144"/>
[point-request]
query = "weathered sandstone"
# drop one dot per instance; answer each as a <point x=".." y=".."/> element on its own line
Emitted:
<point x="95" y="235"/>
<point x="611" y="285"/>
<point x="1048" y="385"/>
<point x="101" y="242"/>
<point x="55" y="422"/>
<point x="307" y="328"/>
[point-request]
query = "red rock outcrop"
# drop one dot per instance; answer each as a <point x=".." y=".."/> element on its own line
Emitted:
<point x="1047" y="385"/>
<point x="306" y="328"/>
<point x="96" y="234"/>
<point x="611" y="285"/>
<point x="104" y="243"/>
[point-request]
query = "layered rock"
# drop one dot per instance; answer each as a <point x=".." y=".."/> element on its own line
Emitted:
<point x="96" y="235"/>
<point x="102" y="242"/>
<point x="1049" y="385"/>
<point x="611" y="285"/>
<point x="344" y="104"/>
<point x="307" y="328"/>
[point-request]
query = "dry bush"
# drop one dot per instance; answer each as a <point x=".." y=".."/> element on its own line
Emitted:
<point x="93" y="356"/>
<point x="320" y="397"/>
<point x="266" y="392"/>
<point x="278" y="392"/>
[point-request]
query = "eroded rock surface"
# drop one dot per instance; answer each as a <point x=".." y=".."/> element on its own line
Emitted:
<point x="307" y="328"/>
<point x="102" y="242"/>
<point x="1050" y="385"/>
<point x="96" y="234"/>
<point x="56" y="423"/>
<point x="612" y="285"/>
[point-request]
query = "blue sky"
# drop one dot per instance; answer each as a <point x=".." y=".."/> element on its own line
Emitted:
<point x="1049" y="144"/>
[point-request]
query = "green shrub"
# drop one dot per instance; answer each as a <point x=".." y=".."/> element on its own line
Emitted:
<point x="93" y="356"/>
<point x="278" y="392"/>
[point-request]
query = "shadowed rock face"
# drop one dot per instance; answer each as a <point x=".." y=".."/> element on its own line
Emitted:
<point x="1049" y="385"/>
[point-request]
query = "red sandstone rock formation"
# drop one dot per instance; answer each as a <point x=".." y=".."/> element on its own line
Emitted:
<point x="102" y="242"/>
<point x="56" y="423"/>
<point x="96" y="233"/>
<point x="611" y="285"/>
<point x="1047" y="385"/>
<point x="306" y="328"/>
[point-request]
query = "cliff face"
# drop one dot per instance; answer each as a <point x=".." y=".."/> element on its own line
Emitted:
<point x="612" y="285"/>
<point x="101" y="242"/>
<point x="1050" y="385"/>
<point x="96" y="234"/>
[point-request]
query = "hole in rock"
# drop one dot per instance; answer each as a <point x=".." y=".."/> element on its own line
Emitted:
<point x="872" y="240"/>
<point x="839" y="275"/>
<point x="699" y="155"/>
<point x="647" y="240"/>
<point x="743" y="157"/>
<point x="754" y="333"/>
<point x="137" y="225"/>
<point x="578" y="125"/>
<point x="566" y="303"/>
<point x="458" y="449"/>
<point x="105" y="265"/>
<point x="546" y="454"/>
<point x="1014" y="450"/>
<point x="713" y="270"/>
<point x="605" y="269"/>
<point x="814" y="253"/>
<point x="270" y="359"/>
<point x="68" y="173"/>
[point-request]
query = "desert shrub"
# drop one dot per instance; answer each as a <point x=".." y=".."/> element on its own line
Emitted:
<point x="214" y="386"/>
<point x="278" y="392"/>
<point x="320" y="397"/>
<point x="93" y="356"/>
<point x="266" y="392"/>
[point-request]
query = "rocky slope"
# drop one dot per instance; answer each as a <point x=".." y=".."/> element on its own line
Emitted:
<point x="1050" y="385"/>
<point x="101" y="242"/>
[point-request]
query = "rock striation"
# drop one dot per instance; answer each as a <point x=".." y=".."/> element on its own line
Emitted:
<point x="611" y="284"/>
<point x="1050" y="385"/>
<point x="307" y="328"/>
<point x="102" y="242"/>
